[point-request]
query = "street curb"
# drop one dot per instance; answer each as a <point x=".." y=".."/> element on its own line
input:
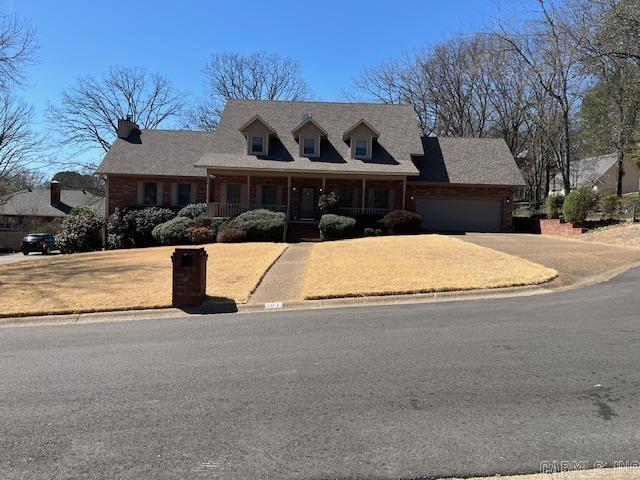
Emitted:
<point x="348" y="302"/>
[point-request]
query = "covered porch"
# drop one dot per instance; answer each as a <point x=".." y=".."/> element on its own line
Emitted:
<point x="232" y="193"/>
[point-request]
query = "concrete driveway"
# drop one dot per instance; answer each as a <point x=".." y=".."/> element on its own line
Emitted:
<point x="19" y="257"/>
<point x="575" y="260"/>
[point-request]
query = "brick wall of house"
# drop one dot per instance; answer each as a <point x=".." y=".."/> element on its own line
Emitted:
<point x="122" y="191"/>
<point x="470" y="191"/>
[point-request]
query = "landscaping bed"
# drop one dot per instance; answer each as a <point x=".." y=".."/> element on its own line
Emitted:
<point x="126" y="279"/>
<point x="413" y="264"/>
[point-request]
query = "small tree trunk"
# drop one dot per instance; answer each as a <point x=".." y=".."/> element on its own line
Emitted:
<point x="620" y="171"/>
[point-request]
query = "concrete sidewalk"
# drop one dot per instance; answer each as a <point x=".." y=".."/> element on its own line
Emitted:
<point x="283" y="281"/>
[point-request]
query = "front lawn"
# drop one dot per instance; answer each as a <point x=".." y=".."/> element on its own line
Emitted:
<point x="413" y="264"/>
<point x="126" y="279"/>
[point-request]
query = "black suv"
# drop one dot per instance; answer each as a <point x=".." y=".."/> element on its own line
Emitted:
<point x="38" y="242"/>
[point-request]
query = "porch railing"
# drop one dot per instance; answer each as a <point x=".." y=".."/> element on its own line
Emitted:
<point x="354" y="211"/>
<point x="227" y="210"/>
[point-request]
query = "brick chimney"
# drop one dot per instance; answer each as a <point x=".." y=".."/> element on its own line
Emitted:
<point x="55" y="192"/>
<point x="126" y="126"/>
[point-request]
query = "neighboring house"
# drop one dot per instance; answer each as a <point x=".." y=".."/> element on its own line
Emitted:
<point x="283" y="155"/>
<point x="601" y="173"/>
<point x="23" y="210"/>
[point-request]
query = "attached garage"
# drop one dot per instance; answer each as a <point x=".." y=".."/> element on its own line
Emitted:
<point x="460" y="214"/>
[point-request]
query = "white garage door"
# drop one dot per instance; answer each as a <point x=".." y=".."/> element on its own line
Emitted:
<point x="460" y="214"/>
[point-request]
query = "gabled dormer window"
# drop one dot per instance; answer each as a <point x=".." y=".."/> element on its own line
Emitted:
<point x="258" y="133"/>
<point x="360" y="137"/>
<point x="309" y="146"/>
<point x="257" y="144"/>
<point x="308" y="134"/>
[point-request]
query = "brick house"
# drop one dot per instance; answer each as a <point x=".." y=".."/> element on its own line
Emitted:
<point x="283" y="155"/>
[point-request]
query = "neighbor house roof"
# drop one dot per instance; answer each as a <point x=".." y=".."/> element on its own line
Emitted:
<point x="157" y="152"/>
<point x="37" y="202"/>
<point x="588" y="171"/>
<point x="398" y="140"/>
<point x="482" y="161"/>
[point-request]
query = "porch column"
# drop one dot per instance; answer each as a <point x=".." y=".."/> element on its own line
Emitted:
<point x="324" y="185"/>
<point x="404" y="192"/>
<point x="288" y="197"/>
<point x="364" y="192"/>
<point x="208" y="187"/>
<point x="248" y="191"/>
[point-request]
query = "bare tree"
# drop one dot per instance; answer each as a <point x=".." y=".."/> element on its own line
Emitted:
<point x="548" y="51"/>
<point x="17" y="51"/>
<point x="259" y="76"/>
<point x="88" y="113"/>
<point x="18" y="143"/>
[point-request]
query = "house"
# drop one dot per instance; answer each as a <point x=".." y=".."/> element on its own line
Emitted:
<point x="32" y="210"/>
<point x="601" y="173"/>
<point x="284" y="155"/>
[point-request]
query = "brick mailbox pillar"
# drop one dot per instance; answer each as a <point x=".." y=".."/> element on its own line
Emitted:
<point x="189" y="277"/>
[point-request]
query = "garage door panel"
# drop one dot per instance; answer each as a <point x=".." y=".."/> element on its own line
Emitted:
<point x="460" y="214"/>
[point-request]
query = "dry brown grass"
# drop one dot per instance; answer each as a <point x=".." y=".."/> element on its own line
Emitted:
<point x="627" y="235"/>
<point x="126" y="279"/>
<point x="413" y="264"/>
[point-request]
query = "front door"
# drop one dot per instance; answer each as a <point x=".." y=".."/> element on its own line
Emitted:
<point x="307" y="203"/>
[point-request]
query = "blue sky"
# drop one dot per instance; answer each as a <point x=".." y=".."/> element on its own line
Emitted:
<point x="175" y="38"/>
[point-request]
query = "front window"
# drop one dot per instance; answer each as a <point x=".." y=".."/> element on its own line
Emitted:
<point x="361" y="148"/>
<point x="150" y="193"/>
<point x="346" y="196"/>
<point x="309" y="146"/>
<point x="234" y="193"/>
<point x="257" y="144"/>
<point x="269" y="195"/>
<point x="380" y="198"/>
<point x="184" y="194"/>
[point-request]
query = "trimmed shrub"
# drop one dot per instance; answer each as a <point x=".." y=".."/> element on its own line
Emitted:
<point x="553" y="205"/>
<point x="610" y="206"/>
<point x="369" y="232"/>
<point x="402" y="221"/>
<point x="173" y="232"/>
<point x="80" y="232"/>
<point x="229" y="234"/>
<point x="82" y="211"/>
<point x="260" y="225"/>
<point x="329" y="203"/>
<point x="198" y="235"/>
<point x="193" y="210"/>
<point x="129" y="228"/>
<point x="379" y="232"/>
<point x="145" y="221"/>
<point x="336" y="227"/>
<point x="202" y="222"/>
<point x="579" y="203"/>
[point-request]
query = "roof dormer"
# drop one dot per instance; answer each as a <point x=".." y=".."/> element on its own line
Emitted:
<point x="360" y="137"/>
<point x="258" y="134"/>
<point x="308" y="134"/>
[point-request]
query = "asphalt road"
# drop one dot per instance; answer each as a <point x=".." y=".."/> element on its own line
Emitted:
<point x="461" y="388"/>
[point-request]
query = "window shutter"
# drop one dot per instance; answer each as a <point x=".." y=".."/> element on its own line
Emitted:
<point x="223" y="193"/>
<point x="140" y="193"/>
<point x="243" y="194"/>
<point x="159" y="194"/>
<point x="392" y="199"/>
<point x="174" y="194"/>
<point x="259" y="195"/>
<point x="194" y="192"/>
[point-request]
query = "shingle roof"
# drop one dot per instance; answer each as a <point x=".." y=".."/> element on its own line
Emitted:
<point x="157" y="152"/>
<point x="483" y="161"/>
<point x="588" y="171"/>
<point x="399" y="137"/>
<point x="37" y="202"/>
